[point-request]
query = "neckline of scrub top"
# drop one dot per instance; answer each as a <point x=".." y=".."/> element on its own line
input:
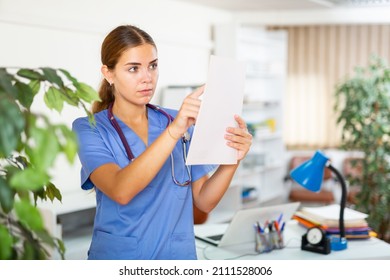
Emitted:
<point x="135" y="142"/>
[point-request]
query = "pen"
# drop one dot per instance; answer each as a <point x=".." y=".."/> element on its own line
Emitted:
<point x="266" y="225"/>
<point x="270" y="226"/>
<point x="280" y="218"/>
<point x="276" y="225"/>
<point x="259" y="227"/>
<point x="282" y="226"/>
<point x="279" y="241"/>
<point x="256" y="227"/>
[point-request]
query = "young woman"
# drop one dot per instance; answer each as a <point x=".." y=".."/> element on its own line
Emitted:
<point x="133" y="158"/>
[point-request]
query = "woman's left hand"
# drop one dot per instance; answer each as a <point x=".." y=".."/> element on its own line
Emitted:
<point x="239" y="138"/>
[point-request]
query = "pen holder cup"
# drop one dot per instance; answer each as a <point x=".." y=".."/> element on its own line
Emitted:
<point x="268" y="241"/>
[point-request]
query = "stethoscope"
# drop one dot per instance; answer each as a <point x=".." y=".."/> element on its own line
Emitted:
<point x="184" y="139"/>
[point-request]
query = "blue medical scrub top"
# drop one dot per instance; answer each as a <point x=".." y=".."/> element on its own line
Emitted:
<point x="158" y="222"/>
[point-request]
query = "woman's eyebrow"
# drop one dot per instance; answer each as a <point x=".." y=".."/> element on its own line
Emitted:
<point x="137" y="63"/>
<point x="132" y="63"/>
<point x="153" y="61"/>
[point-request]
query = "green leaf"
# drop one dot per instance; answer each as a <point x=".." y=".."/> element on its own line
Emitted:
<point x="6" y="243"/>
<point x="50" y="74"/>
<point x="12" y="123"/>
<point x="29" y="215"/>
<point x="87" y="93"/>
<point x="45" y="149"/>
<point x="23" y="161"/>
<point x="29" y="251"/>
<point x="45" y="237"/>
<point x="30" y="74"/>
<point x="53" y="99"/>
<point x="70" y="149"/>
<point x="91" y="118"/>
<point x="6" y="196"/>
<point x="25" y="94"/>
<point x="69" y="144"/>
<point x="35" y="86"/>
<point x="40" y="193"/>
<point x="69" y="76"/>
<point x="52" y="192"/>
<point x="29" y="179"/>
<point x="6" y="83"/>
<point x="69" y="97"/>
<point x="61" y="247"/>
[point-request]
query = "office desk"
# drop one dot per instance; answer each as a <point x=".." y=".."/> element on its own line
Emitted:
<point x="372" y="248"/>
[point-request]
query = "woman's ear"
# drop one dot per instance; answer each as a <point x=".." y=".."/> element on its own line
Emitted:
<point x="107" y="74"/>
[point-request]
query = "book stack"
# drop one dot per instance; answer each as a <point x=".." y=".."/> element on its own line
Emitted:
<point x="327" y="217"/>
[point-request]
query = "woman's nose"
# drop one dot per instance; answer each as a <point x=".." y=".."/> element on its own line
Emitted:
<point x="146" y="75"/>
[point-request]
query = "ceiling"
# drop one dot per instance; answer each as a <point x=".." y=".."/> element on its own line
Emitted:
<point x="264" y="5"/>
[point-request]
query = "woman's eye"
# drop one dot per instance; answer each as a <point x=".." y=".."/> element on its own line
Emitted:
<point x="153" y="66"/>
<point x="133" y="69"/>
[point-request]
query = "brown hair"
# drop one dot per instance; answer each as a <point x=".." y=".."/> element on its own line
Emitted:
<point x="117" y="41"/>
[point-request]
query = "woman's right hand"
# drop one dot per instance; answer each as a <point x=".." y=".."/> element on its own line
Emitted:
<point x="187" y="114"/>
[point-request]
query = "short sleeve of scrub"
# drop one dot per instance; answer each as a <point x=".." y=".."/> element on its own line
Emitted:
<point x="92" y="152"/>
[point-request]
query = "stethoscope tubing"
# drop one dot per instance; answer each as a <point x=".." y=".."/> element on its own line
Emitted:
<point x="130" y="155"/>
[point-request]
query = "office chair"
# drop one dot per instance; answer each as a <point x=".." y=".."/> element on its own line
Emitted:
<point x="297" y="193"/>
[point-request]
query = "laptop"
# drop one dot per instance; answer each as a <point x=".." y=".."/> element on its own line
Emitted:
<point x="240" y="230"/>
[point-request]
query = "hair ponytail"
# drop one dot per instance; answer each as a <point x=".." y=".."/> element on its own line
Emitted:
<point x="106" y="94"/>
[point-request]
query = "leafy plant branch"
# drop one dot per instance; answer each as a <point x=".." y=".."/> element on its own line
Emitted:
<point x="363" y="103"/>
<point x="29" y="145"/>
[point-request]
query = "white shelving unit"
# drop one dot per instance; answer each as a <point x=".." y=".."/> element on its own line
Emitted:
<point x="259" y="180"/>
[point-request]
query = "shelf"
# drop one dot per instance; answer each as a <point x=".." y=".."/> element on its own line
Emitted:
<point x="268" y="137"/>
<point x="270" y="196"/>
<point x="261" y="104"/>
<point x="245" y="172"/>
<point x="251" y="204"/>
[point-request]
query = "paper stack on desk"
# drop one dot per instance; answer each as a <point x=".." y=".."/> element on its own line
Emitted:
<point x="327" y="217"/>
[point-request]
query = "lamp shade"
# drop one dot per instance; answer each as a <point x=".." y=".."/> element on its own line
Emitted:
<point x="310" y="173"/>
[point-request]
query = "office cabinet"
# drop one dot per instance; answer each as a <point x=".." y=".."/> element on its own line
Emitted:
<point x="259" y="179"/>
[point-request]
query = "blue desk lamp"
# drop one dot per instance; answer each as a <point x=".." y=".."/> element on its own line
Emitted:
<point x="309" y="175"/>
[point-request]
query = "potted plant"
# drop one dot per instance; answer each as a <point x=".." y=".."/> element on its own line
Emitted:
<point x="29" y="145"/>
<point x="363" y="107"/>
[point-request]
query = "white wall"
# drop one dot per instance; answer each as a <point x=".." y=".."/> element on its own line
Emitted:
<point x="68" y="34"/>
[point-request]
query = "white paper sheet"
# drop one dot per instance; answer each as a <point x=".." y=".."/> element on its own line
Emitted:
<point x="222" y="99"/>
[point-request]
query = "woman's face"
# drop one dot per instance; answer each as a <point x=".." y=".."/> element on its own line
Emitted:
<point x="135" y="75"/>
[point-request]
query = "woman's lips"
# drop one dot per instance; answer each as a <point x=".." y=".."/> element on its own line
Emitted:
<point x="146" y="92"/>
